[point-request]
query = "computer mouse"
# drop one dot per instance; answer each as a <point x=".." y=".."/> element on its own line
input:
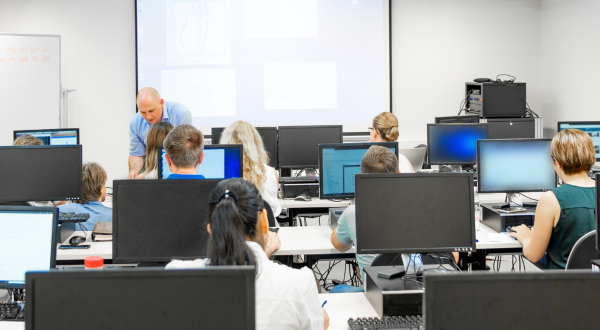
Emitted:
<point x="76" y="240"/>
<point x="303" y="198"/>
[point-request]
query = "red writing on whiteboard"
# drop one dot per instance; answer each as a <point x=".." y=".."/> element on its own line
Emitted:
<point x="23" y="49"/>
<point x="34" y="49"/>
<point x="11" y="50"/>
<point x="46" y="59"/>
<point x="1" y="59"/>
<point x="23" y="59"/>
<point x="35" y="59"/>
<point x="47" y="48"/>
<point x="12" y="59"/>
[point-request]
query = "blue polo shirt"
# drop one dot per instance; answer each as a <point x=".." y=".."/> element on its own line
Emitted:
<point x="97" y="211"/>
<point x="173" y="176"/>
<point x="173" y="112"/>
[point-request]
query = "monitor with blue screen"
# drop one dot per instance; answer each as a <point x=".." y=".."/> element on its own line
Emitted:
<point x="53" y="137"/>
<point x="454" y="144"/>
<point x="591" y="128"/>
<point x="338" y="165"/>
<point x="28" y="236"/>
<point x="224" y="161"/>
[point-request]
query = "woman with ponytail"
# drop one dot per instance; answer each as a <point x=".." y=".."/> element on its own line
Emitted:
<point x="385" y="129"/>
<point x="286" y="298"/>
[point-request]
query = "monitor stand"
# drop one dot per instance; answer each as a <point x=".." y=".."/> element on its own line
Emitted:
<point x="415" y="265"/>
<point x="514" y="200"/>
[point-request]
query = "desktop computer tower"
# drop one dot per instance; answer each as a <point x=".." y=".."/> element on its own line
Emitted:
<point x="496" y="100"/>
<point x="393" y="297"/>
<point x="498" y="221"/>
<point x="291" y="190"/>
<point x="511" y="128"/>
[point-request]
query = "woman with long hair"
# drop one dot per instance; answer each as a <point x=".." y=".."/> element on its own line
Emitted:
<point x="156" y="136"/>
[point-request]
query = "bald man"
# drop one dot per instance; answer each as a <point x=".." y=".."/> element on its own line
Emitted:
<point x="152" y="109"/>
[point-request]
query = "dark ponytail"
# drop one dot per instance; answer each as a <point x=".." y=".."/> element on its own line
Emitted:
<point x="233" y="214"/>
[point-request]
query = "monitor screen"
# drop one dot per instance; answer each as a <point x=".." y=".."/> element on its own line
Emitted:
<point x="160" y="220"/>
<point x="414" y="213"/>
<point x="28" y="236"/>
<point x="299" y="145"/>
<point x="338" y="163"/>
<point x="268" y="135"/>
<point x="592" y="128"/>
<point x="556" y="300"/>
<point x="454" y="144"/>
<point x="220" y="162"/>
<point x="40" y="173"/>
<point x="213" y="298"/>
<point x="515" y="165"/>
<point x="53" y="137"/>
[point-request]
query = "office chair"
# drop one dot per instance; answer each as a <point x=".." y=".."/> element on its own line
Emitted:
<point x="583" y="252"/>
<point x="425" y="160"/>
<point x="270" y="215"/>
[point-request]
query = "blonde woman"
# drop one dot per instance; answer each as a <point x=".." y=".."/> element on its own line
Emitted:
<point x="566" y="213"/>
<point x="256" y="169"/>
<point x="27" y="140"/>
<point x="385" y="129"/>
<point x="156" y="136"/>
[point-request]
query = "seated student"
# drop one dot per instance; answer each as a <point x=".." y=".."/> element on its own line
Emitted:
<point x="156" y="137"/>
<point x="185" y="149"/>
<point x="94" y="193"/>
<point x="385" y="129"/>
<point x="27" y="140"/>
<point x="256" y="169"/>
<point x="566" y="213"/>
<point x="286" y="298"/>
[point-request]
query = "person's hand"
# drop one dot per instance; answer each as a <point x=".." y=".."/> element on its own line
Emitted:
<point x="273" y="243"/>
<point x="132" y="175"/>
<point x="521" y="232"/>
<point x="326" y="317"/>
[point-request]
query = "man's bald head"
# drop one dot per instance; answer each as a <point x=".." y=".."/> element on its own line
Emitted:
<point x="150" y="105"/>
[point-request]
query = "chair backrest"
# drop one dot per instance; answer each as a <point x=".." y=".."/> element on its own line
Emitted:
<point x="270" y="215"/>
<point x="425" y="160"/>
<point x="583" y="252"/>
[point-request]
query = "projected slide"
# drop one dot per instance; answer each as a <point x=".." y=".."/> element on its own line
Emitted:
<point x="268" y="62"/>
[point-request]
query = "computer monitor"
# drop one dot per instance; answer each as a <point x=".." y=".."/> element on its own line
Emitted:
<point x="454" y="144"/>
<point x="160" y="220"/>
<point x="268" y="135"/>
<point x="339" y="163"/>
<point x="223" y="161"/>
<point x="494" y="301"/>
<point x="474" y="119"/>
<point x="299" y="145"/>
<point x="592" y="128"/>
<point x="40" y="173"/>
<point x="53" y="137"/>
<point x="597" y="208"/>
<point x="512" y="166"/>
<point x="28" y="236"/>
<point x="212" y="298"/>
<point x="414" y="213"/>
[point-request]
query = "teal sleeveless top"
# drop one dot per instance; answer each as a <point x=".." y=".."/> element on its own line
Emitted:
<point x="577" y="218"/>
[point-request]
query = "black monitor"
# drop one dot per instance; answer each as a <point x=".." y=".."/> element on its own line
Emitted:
<point x="454" y="144"/>
<point x="212" y="298"/>
<point x="28" y="236"/>
<point x="40" y="173"/>
<point x="268" y="135"/>
<point x="299" y="145"/>
<point x="549" y="300"/>
<point x="473" y="119"/>
<point x="53" y="137"/>
<point x="338" y="164"/>
<point x="592" y="128"/>
<point x="160" y="220"/>
<point x="414" y="213"/>
<point x="223" y="161"/>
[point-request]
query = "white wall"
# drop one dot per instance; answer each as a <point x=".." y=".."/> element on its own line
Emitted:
<point x="438" y="45"/>
<point x="98" y="59"/>
<point x="570" y="61"/>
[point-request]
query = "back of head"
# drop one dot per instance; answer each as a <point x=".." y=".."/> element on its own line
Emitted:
<point x="93" y="179"/>
<point x="156" y="137"/>
<point x="241" y="132"/>
<point x="235" y="206"/>
<point x="379" y="159"/>
<point x="386" y="125"/>
<point x="184" y="145"/>
<point x="574" y="151"/>
<point x="27" y="140"/>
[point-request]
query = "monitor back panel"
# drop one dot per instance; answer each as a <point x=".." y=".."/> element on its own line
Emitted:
<point x="268" y="135"/>
<point x="299" y="145"/>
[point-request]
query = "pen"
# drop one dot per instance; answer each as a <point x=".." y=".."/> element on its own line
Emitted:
<point x="324" y="304"/>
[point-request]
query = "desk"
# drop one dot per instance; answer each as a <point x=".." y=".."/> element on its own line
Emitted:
<point x="342" y="306"/>
<point x="315" y="206"/>
<point x="101" y="249"/>
<point x="20" y="325"/>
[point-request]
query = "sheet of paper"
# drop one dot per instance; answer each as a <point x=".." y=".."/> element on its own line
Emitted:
<point x="497" y="237"/>
<point x="300" y="85"/>
<point x="280" y="18"/>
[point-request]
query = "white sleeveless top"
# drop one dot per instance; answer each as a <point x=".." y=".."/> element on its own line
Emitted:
<point x="269" y="191"/>
<point x="404" y="164"/>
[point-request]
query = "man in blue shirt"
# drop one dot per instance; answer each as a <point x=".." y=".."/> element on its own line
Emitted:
<point x="185" y="149"/>
<point x="152" y="109"/>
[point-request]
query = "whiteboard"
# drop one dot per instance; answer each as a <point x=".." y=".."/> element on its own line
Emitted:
<point x="30" y="88"/>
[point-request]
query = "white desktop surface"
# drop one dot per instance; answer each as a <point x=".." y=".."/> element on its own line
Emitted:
<point x="317" y="240"/>
<point x="20" y="325"/>
<point x="485" y="243"/>
<point x="342" y="306"/>
<point x="314" y="202"/>
<point x="290" y="244"/>
<point x="100" y="249"/>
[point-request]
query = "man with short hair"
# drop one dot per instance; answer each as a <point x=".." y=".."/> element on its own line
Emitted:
<point x="152" y="109"/>
<point x="378" y="159"/>
<point x="185" y="149"/>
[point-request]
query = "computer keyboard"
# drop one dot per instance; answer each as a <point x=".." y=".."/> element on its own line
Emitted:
<point x="292" y="179"/>
<point x="11" y="312"/>
<point x="73" y="217"/>
<point x="408" y="322"/>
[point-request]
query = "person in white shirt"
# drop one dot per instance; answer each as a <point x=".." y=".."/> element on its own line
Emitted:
<point x="156" y="137"/>
<point x="256" y="158"/>
<point x="286" y="298"/>
<point x="385" y="129"/>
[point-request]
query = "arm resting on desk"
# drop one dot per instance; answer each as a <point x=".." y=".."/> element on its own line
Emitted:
<point x="135" y="166"/>
<point x="337" y="244"/>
